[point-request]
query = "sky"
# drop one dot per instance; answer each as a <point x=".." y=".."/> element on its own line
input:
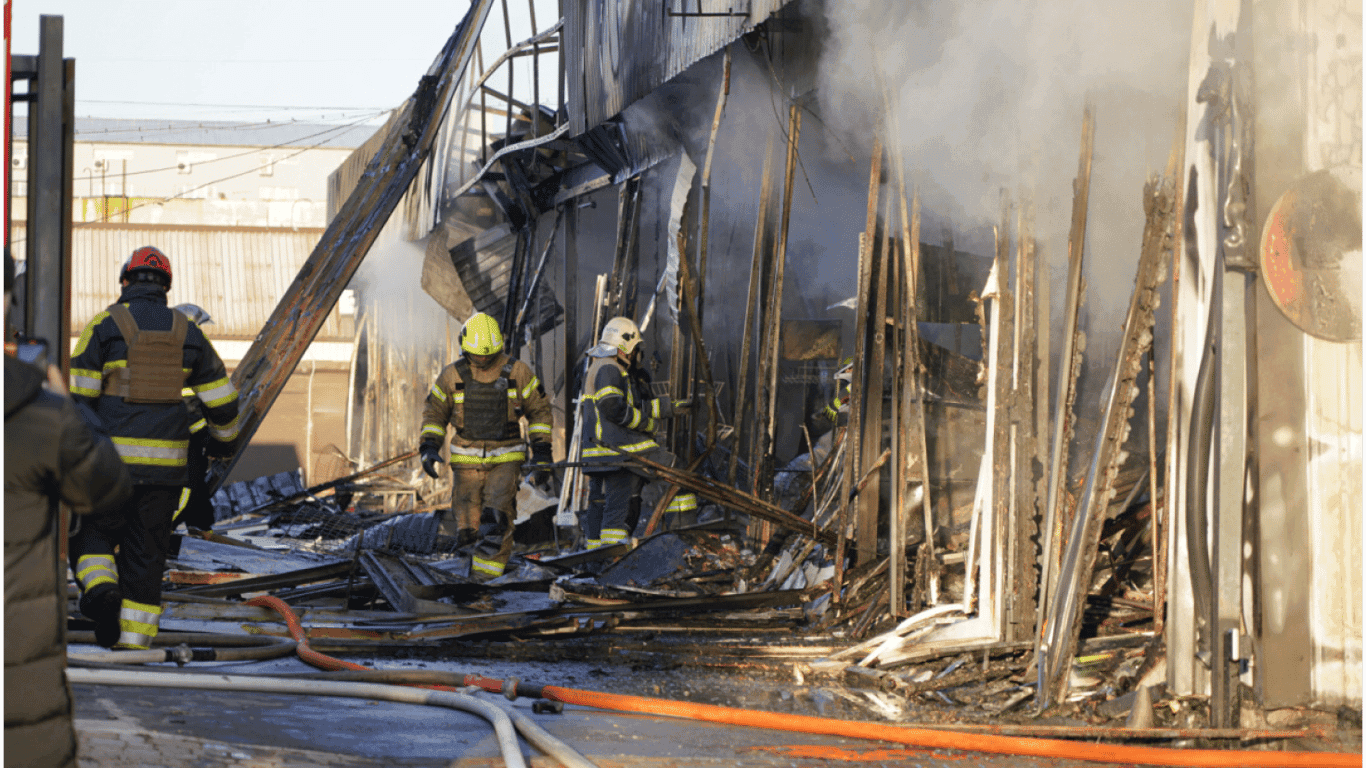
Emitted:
<point x="246" y="60"/>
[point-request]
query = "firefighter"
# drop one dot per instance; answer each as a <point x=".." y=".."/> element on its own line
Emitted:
<point x="623" y="416"/>
<point x="130" y="365"/>
<point x="836" y="412"/>
<point x="195" y="511"/>
<point x="484" y="395"/>
<point x="834" y="417"/>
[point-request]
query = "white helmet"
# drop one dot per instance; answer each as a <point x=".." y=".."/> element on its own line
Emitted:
<point x="622" y="334"/>
<point x="846" y="372"/>
<point x="194" y="312"/>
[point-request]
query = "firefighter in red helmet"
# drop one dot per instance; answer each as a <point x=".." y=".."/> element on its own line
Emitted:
<point x="130" y="365"/>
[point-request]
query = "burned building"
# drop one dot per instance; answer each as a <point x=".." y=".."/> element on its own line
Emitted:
<point x="1101" y="323"/>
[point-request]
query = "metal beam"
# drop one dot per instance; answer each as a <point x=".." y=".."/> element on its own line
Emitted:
<point x="48" y="248"/>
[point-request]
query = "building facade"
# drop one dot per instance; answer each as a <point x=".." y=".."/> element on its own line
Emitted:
<point x="238" y="208"/>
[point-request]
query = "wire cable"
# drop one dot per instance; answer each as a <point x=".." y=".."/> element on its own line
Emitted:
<point x="181" y="195"/>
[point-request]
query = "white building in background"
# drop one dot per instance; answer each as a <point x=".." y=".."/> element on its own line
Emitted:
<point x="238" y="208"/>
<point x="202" y="173"/>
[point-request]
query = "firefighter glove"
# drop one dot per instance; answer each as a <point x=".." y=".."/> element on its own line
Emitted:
<point x="431" y="459"/>
<point x="541" y="459"/>
<point x="688" y="404"/>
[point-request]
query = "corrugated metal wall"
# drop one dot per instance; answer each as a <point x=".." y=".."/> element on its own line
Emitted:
<point x="238" y="274"/>
<point x="618" y="51"/>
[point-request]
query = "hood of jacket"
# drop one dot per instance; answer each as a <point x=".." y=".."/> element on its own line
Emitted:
<point x="143" y="292"/>
<point x="23" y="383"/>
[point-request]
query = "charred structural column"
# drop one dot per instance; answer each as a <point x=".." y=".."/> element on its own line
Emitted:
<point x="47" y="312"/>
<point x="571" y="313"/>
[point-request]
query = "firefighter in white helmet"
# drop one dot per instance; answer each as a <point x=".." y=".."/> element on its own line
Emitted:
<point x="195" y="511"/>
<point x="621" y="414"/>
<point x="484" y="395"/>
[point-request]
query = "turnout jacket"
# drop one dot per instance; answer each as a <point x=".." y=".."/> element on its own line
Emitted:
<point x="51" y="456"/>
<point x="619" y="411"/>
<point x="485" y="409"/>
<point x="152" y="434"/>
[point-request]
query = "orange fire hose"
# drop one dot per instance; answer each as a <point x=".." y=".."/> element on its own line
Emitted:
<point x="918" y="737"/>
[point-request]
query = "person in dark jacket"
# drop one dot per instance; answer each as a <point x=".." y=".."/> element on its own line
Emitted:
<point x="621" y="417"/>
<point x="131" y="365"/>
<point x="52" y="456"/>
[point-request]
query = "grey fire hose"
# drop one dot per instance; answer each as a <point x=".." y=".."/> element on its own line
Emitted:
<point x="183" y="647"/>
<point x="502" y="724"/>
<point x="1204" y="407"/>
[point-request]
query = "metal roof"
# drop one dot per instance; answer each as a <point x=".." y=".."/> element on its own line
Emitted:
<point x="99" y="130"/>
<point x="617" y="51"/>
<point x="237" y="274"/>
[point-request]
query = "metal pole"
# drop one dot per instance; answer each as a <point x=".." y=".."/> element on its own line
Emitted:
<point x="47" y="276"/>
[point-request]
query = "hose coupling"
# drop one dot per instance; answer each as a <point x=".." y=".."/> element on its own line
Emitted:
<point x="510" y="688"/>
<point x="181" y="654"/>
<point x="547" y="707"/>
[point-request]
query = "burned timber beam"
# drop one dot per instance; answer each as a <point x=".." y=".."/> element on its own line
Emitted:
<point x="731" y="497"/>
<point x="304" y="308"/>
<point x="856" y="386"/>
<point x="1064" y="618"/>
<point x="1068" y="367"/>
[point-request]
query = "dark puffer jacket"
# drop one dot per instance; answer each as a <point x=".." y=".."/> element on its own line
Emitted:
<point x="51" y="456"/>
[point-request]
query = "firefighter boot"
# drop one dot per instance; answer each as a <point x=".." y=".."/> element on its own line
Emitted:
<point x="465" y="537"/>
<point x="101" y="605"/>
<point x="489" y="557"/>
<point x="100" y="596"/>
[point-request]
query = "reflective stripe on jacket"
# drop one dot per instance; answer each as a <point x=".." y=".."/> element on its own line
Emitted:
<point x="152" y="438"/>
<point x="446" y="406"/>
<point x="619" y="411"/>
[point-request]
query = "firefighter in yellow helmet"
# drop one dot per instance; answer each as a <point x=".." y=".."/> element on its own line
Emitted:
<point x="836" y="412"/>
<point x="622" y="414"/>
<point x="484" y="395"/>
<point x="131" y="365"/>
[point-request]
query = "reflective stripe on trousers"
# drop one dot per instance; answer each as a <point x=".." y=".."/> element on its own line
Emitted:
<point x="486" y="567"/>
<point x="612" y="536"/>
<point x="93" y="570"/>
<point x="184" y="500"/>
<point x="683" y="502"/>
<point x="138" y="623"/>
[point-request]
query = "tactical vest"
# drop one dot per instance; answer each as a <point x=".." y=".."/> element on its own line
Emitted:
<point x="155" y="370"/>
<point x="485" y="409"/>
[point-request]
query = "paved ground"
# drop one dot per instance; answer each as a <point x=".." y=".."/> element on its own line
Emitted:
<point x="123" y="727"/>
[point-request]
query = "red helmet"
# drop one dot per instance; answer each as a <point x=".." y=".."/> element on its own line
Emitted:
<point x="149" y="261"/>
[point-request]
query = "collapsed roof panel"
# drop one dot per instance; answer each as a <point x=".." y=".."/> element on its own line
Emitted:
<point x="630" y="49"/>
<point x="484" y="264"/>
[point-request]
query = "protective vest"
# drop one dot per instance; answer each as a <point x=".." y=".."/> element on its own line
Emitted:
<point x="484" y="406"/>
<point x="154" y="372"/>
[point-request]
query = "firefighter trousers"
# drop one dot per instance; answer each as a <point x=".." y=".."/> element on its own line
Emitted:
<point x="486" y="498"/>
<point x="613" y="507"/>
<point x="129" y="546"/>
<point x="195" y="509"/>
<point x="614" y="501"/>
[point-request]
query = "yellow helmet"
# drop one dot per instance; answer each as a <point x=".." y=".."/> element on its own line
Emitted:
<point x="481" y="336"/>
